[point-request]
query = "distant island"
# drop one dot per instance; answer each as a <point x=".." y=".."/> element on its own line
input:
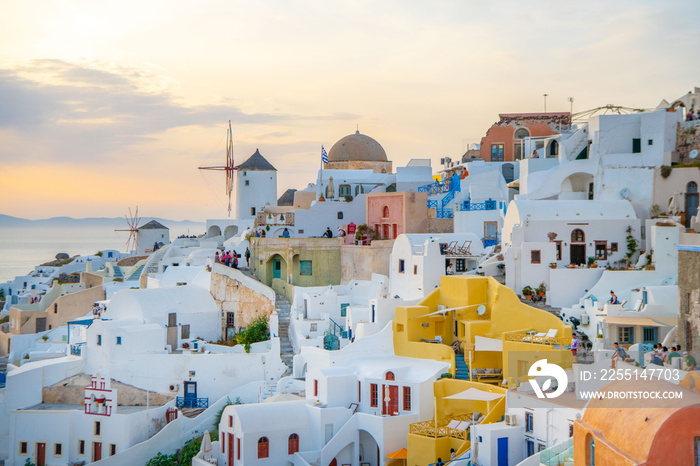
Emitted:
<point x="114" y="222"/>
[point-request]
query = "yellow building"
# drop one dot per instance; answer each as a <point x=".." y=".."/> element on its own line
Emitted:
<point x="490" y="339"/>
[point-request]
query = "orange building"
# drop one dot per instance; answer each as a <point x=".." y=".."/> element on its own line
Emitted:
<point x="639" y="432"/>
<point x="504" y="140"/>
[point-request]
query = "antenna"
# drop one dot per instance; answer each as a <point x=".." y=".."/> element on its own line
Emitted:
<point x="132" y="221"/>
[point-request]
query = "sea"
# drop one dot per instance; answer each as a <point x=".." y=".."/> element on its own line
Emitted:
<point x="24" y="247"/>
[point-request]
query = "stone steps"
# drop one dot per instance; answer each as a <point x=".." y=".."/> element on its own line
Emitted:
<point x="192" y="412"/>
<point x="283" y="307"/>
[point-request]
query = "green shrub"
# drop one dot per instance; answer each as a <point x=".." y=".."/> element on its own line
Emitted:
<point x="162" y="460"/>
<point x="527" y="291"/>
<point x="255" y="332"/>
<point x="665" y="171"/>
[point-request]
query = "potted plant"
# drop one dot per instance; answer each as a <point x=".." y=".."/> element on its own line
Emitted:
<point x="591" y="263"/>
<point x="542" y="289"/>
<point x="599" y="338"/>
<point x="528" y="292"/>
<point x="552" y="265"/>
<point x="551" y="236"/>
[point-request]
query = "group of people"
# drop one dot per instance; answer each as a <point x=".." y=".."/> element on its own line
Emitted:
<point x="691" y="115"/>
<point x="230" y="259"/>
<point x="187" y="236"/>
<point x="662" y="355"/>
<point x="260" y="233"/>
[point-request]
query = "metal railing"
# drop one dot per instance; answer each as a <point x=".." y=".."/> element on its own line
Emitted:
<point x="525" y="336"/>
<point x="444" y="213"/>
<point x="441" y="428"/>
<point x="190" y="402"/>
<point x="76" y="349"/>
<point x="491" y="240"/>
<point x="468" y="205"/>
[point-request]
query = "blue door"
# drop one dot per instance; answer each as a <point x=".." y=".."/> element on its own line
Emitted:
<point x="276" y="268"/>
<point x="503" y="451"/>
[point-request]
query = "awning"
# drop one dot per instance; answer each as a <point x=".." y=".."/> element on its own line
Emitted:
<point x="487" y="344"/>
<point x="475" y="395"/>
<point x="399" y="454"/>
<point x="645" y="321"/>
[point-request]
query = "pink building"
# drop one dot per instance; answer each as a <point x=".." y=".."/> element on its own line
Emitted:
<point x="391" y="214"/>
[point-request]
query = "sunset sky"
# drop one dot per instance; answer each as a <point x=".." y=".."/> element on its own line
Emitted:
<point x="106" y="104"/>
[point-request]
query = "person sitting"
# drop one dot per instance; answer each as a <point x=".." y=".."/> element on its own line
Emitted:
<point x="341" y="232"/>
<point x="285" y="233"/>
<point x="450" y="269"/>
<point x="690" y="364"/>
<point x="619" y="353"/>
<point x="257" y="233"/>
<point x="613" y="299"/>
<point x="328" y="233"/>
<point x="456" y="346"/>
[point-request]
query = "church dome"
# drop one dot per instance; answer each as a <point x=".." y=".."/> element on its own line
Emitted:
<point x="357" y="147"/>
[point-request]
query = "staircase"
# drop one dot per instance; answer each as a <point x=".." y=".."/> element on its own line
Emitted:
<point x="282" y="306"/>
<point x="268" y="390"/>
<point x="118" y="272"/>
<point x="137" y="273"/>
<point x="462" y="372"/>
<point x="192" y="412"/>
<point x="154" y="261"/>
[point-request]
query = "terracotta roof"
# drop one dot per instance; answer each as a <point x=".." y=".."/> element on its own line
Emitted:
<point x="256" y="162"/>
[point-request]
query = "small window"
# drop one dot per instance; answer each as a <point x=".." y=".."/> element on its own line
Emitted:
<point x="99" y="340"/>
<point x="461" y="265"/>
<point x="55" y="308"/>
<point x="344" y="309"/>
<point x="402" y="266"/>
<point x="577" y="236"/>
<point x="263" y="447"/>
<point x="315" y="387"/>
<point x="119" y="340"/>
<point x="399" y="327"/>
<point x="650" y="142"/>
<point x="344" y="190"/>
<point x="390" y="376"/>
<point x="252" y="211"/>
<point x="626" y="335"/>
<point x="81" y="447"/>
<point x="374" y="395"/>
<point x="558" y="248"/>
<point x="313" y="328"/>
<point x="529" y="421"/>
<point x="247" y="182"/>
<point x="535" y="257"/>
<point x="305" y="268"/>
<point x="22" y="448"/>
<point x="406" y="398"/>
<point x="57" y="449"/>
<point x="601" y="250"/>
<point x="245" y="173"/>
<point x="530" y="447"/>
<point x="340" y="215"/>
<point x="385" y="212"/>
<point x="636" y="146"/>
<point x="112" y="449"/>
<point x="230" y="421"/>
<point x="97" y="431"/>
<point x="415" y="270"/>
<point x="185" y="332"/>
<point x="540" y="447"/>
<point x="613" y="247"/>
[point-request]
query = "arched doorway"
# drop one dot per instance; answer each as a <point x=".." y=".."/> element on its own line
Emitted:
<point x="230" y="231"/>
<point x="519" y="143"/>
<point x="578" y="247"/>
<point x="276" y="268"/>
<point x="553" y="149"/>
<point x="213" y="231"/>
<point x="369" y="449"/>
<point x="508" y="172"/>
<point x="691" y="202"/>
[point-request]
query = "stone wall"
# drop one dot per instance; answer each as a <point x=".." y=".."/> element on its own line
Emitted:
<point x="71" y="391"/>
<point x="688" y="139"/>
<point x="440" y="225"/>
<point x="689" y="296"/>
<point x="360" y="262"/>
<point x="245" y="297"/>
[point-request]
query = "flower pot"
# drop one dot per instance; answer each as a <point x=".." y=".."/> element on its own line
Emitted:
<point x="528" y="297"/>
<point x="541" y="293"/>
<point x="553" y="266"/>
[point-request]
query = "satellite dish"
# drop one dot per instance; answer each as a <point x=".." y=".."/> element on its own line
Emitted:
<point x="693" y="153"/>
<point x="625" y="193"/>
<point x="481" y="310"/>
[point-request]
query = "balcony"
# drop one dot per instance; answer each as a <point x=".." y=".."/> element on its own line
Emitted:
<point x="532" y="336"/>
<point x="191" y="402"/>
<point x="562" y="453"/>
<point x="444" y="427"/>
<point x="468" y="206"/>
<point x="76" y="350"/>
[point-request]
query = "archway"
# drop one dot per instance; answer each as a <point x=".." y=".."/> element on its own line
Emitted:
<point x="577" y="252"/>
<point x="552" y="149"/>
<point x="577" y="186"/>
<point x="691" y="202"/>
<point x="230" y="231"/>
<point x="276" y="268"/>
<point x="369" y="449"/>
<point x="213" y="231"/>
<point x="508" y="172"/>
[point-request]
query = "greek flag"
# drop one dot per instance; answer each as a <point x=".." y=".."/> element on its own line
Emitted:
<point x="324" y="155"/>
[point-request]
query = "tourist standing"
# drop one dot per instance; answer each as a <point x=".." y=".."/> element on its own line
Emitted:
<point x="247" y="257"/>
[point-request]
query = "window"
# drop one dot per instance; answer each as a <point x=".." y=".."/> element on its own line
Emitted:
<point x="230" y="421"/>
<point x="650" y="142"/>
<point x="344" y="309"/>
<point x="402" y="265"/>
<point x="415" y="270"/>
<point x="601" y="250"/>
<point x="535" y="257"/>
<point x="558" y="249"/>
<point x="577" y="236"/>
<point x="340" y="215"/>
<point x="540" y="447"/>
<point x="359" y="391"/>
<point x="263" y="447"/>
<point x="461" y="265"/>
<point x="185" y="332"/>
<point x="521" y="133"/>
<point x="81" y="447"/>
<point x="497" y="152"/>
<point x="99" y="340"/>
<point x="22" y="448"/>
<point x="55" y="308"/>
<point x="293" y="444"/>
<point x="172" y="319"/>
<point x="315" y="387"/>
<point x="247" y="182"/>
<point x="591" y="451"/>
<point x="245" y="173"/>
<point x="389" y="376"/>
<point x="305" y="268"/>
<point x="385" y="212"/>
<point x="313" y="328"/>
<point x="385" y="231"/>
<point x="529" y="421"/>
<point x="230" y="319"/>
<point x="613" y="247"/>
<point x="119" y="340"/>
<point x="571" y="430"/>
<point x="252" y="211"/>
<point x="395" y="227"/>
<point x="344" y="190"/>
<point x="374" y="395"/>
<point x="530" y="447"/>
<point x="57" y="449"/>
<point x="406" y="398"/>
<point x="112" y="449"/>
<point x="238" y="448"/>
<point x="96" y="429"/>
<point x="636" y="146"/>
<point x="625" y="334"/>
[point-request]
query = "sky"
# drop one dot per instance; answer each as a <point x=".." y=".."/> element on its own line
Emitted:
<point x="111" y="104"/>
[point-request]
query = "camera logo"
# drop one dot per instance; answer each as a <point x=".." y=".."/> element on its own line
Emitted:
<point x="543" y="369"/>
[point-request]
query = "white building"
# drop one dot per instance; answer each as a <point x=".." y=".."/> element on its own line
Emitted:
<point x="419" y="260"/>
<point x="151" y="236"/>
<point x="256" y="186"/>
<point x="538" y="235"/>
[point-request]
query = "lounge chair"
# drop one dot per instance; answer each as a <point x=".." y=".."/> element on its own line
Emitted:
<point x="546" y="337"/>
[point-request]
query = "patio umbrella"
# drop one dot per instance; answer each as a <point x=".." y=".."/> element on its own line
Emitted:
<point x="206" y="443"/>
<point x="675" y="205"/>
<point x="331" y="189"/>
<point x="475" y="394"/>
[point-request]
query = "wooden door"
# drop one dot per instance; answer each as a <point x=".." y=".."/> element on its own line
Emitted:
<point x="40" y="454"/>
<point x="390" y="400"/>
<point x="96" y="451"/>
<point x="231" y="457"/>
<point x="276" y="268"/>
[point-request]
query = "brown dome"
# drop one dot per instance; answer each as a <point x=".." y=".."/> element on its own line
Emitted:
<point x="357" y="147"/>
